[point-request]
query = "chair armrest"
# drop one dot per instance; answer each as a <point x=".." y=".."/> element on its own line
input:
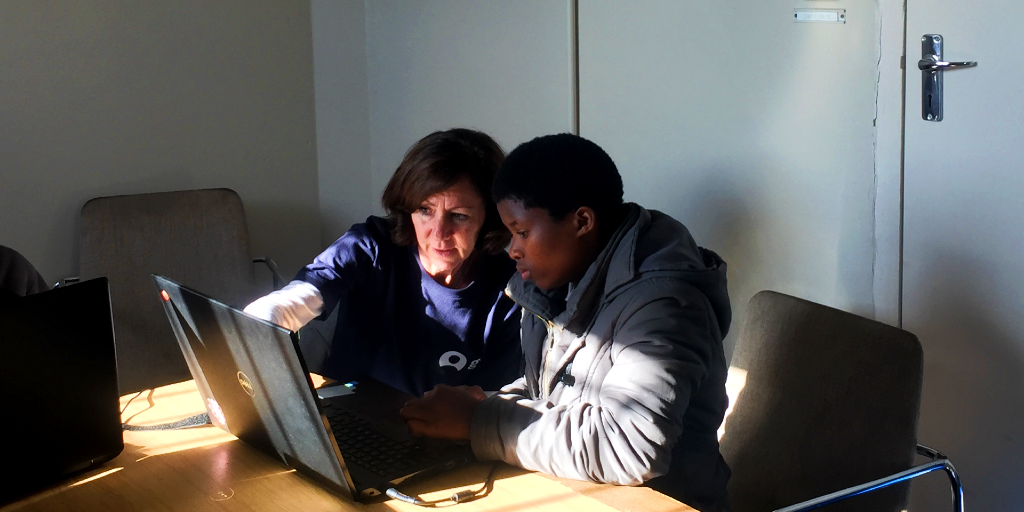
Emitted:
<point x="939" y="461"/>
<point x="278" y="280"/>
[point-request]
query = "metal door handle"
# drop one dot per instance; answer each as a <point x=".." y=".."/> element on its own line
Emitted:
<point x="933" y="64"/>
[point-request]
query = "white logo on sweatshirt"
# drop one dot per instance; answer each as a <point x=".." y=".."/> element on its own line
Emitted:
<point x="452" y="358"/>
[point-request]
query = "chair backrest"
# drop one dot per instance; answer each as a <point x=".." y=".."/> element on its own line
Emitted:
<point x="831" y="400"/>
<point x="17" y="275"/>
<point x="196" y="237"/>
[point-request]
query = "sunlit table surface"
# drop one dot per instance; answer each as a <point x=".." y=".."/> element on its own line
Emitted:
<point x="205" y="468"/>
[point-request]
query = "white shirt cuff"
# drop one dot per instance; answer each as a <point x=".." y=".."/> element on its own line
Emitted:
<point x="290" y="307"/>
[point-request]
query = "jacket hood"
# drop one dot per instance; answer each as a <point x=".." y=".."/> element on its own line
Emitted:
<point x="646" y="244"/>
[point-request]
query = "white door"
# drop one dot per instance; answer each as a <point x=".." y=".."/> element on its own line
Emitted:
<point x="963" y="260"/>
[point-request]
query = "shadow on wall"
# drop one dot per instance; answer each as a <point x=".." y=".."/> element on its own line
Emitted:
<point x="285" y="232"/>
<point x="717" y="211"/>
<point x="973" y="402"/>
<point x="774" y="231"/>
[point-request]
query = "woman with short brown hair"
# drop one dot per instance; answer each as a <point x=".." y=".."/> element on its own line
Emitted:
<point x="420" y="293"/>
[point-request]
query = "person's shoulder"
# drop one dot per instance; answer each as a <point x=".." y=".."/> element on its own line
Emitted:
<point x="373" y="228"/>
<point x="364" y="242"/>
<point x="672" y="269"/>
<point x="664" y="226"/>
<point x="373" y="235"/>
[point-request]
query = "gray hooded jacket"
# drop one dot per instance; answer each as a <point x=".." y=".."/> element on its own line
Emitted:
<point x="625" y="375"/>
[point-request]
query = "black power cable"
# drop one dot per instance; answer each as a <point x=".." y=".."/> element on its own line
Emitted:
<point x="459" y="497"/>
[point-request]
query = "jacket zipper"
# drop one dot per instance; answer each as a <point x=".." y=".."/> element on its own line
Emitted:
<point x="551" y="328"/>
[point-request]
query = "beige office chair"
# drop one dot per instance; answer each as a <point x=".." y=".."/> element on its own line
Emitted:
<point x="199" y="238"/>
<point x="828" y="411"/>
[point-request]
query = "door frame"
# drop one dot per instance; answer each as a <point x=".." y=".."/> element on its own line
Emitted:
<point x="890" y="97"/>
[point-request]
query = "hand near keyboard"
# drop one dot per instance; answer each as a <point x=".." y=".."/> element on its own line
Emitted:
<point x="444" y="412"/>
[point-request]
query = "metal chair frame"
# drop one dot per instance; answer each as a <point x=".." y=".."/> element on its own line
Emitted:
<point x="939" y="462"/>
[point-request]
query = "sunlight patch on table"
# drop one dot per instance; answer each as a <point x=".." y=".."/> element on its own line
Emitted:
<point x="96" y="477"/>
<point x="160" y="442"/>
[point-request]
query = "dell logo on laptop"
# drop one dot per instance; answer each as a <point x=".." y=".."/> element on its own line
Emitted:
<point x="246" y="384"/>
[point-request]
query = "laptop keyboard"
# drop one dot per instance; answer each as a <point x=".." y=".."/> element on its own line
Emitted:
<point x="361" y="445"/>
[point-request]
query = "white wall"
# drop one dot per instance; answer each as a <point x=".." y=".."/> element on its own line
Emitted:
<point x="342" y="115"/>
<point x="754" y="131"/>
<point x="757" y="132"/>
<point x="103" y="98"/>
<point x="499" y="67"/>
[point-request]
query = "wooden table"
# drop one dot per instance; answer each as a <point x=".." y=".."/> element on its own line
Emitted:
<point x="205" y="468"/>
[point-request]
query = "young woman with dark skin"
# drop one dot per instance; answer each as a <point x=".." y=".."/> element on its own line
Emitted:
<point x="622" y="327"/>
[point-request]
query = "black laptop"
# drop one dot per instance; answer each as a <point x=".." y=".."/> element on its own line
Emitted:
<point x="256" y="386"/>
<point x="58" y="377"/>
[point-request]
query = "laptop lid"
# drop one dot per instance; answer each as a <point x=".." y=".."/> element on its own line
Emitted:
<point x="59" y="378"/>
<point x="254" y="383"/>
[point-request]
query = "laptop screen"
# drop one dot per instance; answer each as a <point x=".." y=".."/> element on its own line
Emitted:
<point x="59" y="376"/>
<point x="253" y="381"/>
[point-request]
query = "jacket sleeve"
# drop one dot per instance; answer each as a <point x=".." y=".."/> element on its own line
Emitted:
<point x="660" y="352"/>
<point x="343" y="265"/>
<point x="516" y="387"/>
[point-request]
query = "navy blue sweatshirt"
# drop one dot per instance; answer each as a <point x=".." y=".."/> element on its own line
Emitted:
<point x="399" y="326"/>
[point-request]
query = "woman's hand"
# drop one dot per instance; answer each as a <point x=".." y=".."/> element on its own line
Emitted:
<point x="444" y="412"/>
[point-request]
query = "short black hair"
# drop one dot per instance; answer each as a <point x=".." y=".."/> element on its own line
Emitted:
<point x="560" y="173"/>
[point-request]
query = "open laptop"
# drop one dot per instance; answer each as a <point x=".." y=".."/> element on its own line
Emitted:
<point x="59" y="379"/>
<point x="256" y="386"/>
